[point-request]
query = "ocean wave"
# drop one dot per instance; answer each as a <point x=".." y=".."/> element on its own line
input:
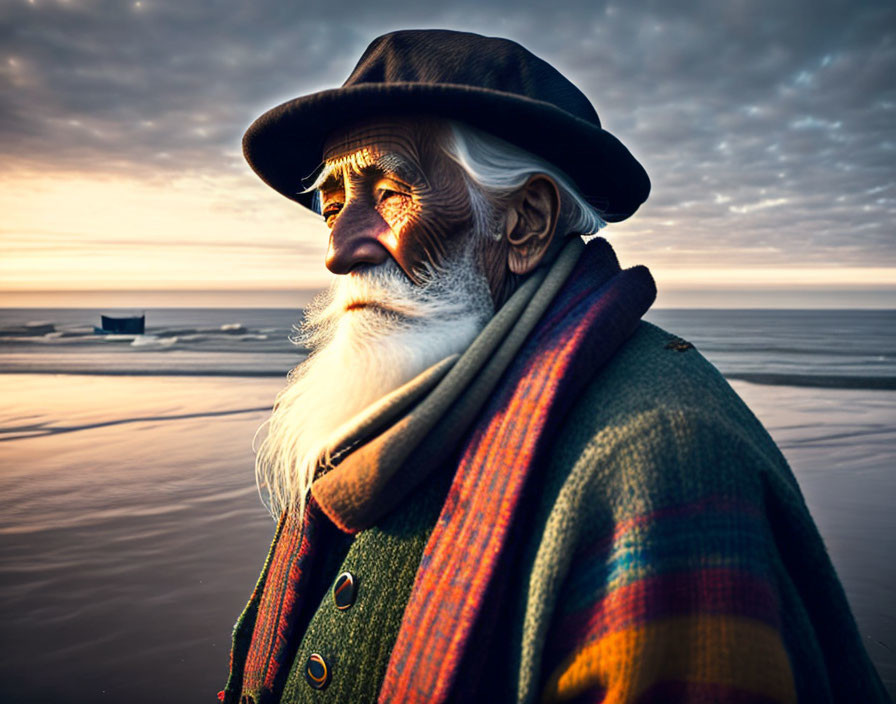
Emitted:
<point x="233" y="328"/>
<point x="226" y="329"/>
<point x="41" y="429"/>
<point x="235" y="339"/>
<point x="822" y="381"/>
<point x="30" y="329"/>
<point x="153" y="341"/>
<point x="709" y="347"/>
<point x="255" y="370"/>
<point x="85" y="370"/>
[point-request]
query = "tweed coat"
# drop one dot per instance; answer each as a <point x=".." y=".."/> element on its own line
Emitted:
<point x="662" y="553"/>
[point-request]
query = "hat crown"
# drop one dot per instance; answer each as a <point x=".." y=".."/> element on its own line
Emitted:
<point x="444" y="57"/>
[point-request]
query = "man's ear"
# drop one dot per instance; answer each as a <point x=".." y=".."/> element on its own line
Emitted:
<point x="530" y="223"/>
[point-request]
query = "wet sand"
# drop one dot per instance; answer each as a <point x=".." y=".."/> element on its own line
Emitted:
<point x="841" y="445"/>
<point x="128" y="549"/>
<point x="132" y="532"/>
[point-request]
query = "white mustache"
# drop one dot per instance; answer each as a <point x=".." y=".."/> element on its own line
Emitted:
<point x="385" y="291"/>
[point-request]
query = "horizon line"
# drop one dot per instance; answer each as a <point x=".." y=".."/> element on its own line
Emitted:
<point x="696" y="298"/>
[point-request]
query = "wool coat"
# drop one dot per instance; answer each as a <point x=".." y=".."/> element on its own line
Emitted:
<point x="640" y="540"/>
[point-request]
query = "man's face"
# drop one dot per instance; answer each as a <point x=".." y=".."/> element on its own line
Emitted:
<point x="392" y="192"/>
<point x="397" y="207"/>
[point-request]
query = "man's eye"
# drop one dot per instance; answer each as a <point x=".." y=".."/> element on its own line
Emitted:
<point x="331" y="210"/>
<point x="385" y="194"/>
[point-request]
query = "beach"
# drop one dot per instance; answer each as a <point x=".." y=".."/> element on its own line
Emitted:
<point x="130" y="543"/>
<point x="132" y="533"/>
<point x="128" y="547"/>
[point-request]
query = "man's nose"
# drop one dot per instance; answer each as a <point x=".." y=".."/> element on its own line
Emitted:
<point x="355" y="239"/>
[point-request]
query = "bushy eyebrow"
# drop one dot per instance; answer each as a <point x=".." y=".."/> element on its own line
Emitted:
<point x="330" y="176"/>
<point x="393" y="163"/>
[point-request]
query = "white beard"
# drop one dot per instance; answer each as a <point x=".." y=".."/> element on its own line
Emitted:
<point x="358" y="356"/>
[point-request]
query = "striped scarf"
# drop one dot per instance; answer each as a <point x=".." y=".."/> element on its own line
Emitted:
<point x="595" y="312"/>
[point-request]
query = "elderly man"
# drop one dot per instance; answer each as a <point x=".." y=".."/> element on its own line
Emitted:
<point x="493" y="482"/>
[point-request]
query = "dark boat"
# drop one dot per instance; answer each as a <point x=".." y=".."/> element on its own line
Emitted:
<point x="132" y="325"/>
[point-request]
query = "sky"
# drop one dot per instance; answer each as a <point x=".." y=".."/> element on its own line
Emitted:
<point x="768" y="128"/>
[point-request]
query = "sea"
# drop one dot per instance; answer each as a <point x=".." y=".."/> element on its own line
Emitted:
<point x="131" y="531"/>
<point x="822" y="348"/>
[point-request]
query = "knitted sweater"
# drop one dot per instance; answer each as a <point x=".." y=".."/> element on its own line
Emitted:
<point x="672" y="556"/>
<point x="665" y="555"/>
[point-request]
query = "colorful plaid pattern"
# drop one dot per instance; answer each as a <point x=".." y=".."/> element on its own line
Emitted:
<point x="674" y="600"/>
<point x="592" y="315"/>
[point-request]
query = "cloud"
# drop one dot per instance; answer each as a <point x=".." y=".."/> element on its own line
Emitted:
<point x="761" y="123"/>
<point x="761" y="205"/>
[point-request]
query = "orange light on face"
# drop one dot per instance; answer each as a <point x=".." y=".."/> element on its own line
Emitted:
<point x="390" y="241"/>
<point x="388" y="182"/>
<point x="399" y="211"/>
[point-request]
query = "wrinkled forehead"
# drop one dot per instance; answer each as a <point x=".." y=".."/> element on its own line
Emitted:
<point x="370" y="159"/>
<point x="380" y="136"/>
<point x="401" y="140"/>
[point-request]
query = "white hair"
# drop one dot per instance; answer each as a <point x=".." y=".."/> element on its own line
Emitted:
<point x="496" y="169"/>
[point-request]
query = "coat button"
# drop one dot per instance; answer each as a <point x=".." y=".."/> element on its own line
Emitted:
<point x="344" y="591"/>
<point x="679" y="345"/>
<point x="317" y="672"/>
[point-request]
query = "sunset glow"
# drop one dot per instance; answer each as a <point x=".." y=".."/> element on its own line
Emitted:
<point x="770" y="143"/>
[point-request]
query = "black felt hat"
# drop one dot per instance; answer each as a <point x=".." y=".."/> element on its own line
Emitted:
<point x="490" y="83"/>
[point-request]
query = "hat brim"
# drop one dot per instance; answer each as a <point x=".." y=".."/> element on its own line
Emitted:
<point x="285" y="144"/>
